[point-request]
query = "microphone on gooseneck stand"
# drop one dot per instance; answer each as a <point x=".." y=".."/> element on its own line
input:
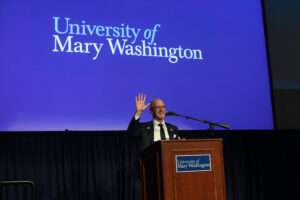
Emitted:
<point x="170" y="114"/>
<point x="211" y="124"/>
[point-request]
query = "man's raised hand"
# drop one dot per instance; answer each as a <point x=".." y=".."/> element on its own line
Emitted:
<point x="140" y="104"/>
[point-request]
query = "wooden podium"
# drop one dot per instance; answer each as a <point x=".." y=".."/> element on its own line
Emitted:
<point x="183" y="170"/>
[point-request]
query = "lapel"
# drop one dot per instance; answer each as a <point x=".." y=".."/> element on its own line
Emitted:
<point x="150" y="130"/>
<point x="171" y="132"/>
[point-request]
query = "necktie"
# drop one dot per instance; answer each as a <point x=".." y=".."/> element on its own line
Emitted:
<point x="162" y="132"/>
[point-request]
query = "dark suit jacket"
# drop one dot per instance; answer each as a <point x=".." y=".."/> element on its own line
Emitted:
<point x="146" y="131"/>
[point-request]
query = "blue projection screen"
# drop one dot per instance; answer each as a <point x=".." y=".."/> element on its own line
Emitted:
<point x="78" y="65"/>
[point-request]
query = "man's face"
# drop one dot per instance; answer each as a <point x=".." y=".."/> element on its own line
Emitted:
<point x="158" y="109"/>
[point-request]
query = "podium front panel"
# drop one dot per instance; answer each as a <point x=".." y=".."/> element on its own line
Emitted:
<point x="186" y="170"/>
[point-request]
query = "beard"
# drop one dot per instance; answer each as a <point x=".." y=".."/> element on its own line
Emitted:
<point x="159" y="116"/>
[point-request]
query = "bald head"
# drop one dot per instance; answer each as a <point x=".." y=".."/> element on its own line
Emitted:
<point x="156" y="102"/>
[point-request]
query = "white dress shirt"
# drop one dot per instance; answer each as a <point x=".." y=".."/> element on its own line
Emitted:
<point x="157" y="130"/>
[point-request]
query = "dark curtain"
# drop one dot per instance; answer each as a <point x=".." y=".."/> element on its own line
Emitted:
<point x="72" y="165"/>
<point x="103" y="165"/>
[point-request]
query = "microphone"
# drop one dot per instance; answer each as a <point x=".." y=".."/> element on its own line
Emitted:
<point x="211" y="124"/>
<point x="170" y="114"/>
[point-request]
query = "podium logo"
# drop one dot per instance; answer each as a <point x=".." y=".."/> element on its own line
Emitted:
<point x="193" y="163"/>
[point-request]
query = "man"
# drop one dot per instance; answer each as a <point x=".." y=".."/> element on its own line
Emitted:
<point x="154" y="130"/>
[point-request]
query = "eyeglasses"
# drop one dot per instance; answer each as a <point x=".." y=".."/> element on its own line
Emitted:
<point x="160" y="107"/>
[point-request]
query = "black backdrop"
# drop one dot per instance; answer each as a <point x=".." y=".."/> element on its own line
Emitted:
<point x="103" y="165"/>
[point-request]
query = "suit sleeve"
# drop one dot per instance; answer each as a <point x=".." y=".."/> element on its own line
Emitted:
<point x="134" y="127"/>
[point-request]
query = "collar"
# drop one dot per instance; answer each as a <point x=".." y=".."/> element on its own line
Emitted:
<point x="155" y="123"/>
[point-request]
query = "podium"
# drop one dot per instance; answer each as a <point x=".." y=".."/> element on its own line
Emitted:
<point x="183" y="170"/>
